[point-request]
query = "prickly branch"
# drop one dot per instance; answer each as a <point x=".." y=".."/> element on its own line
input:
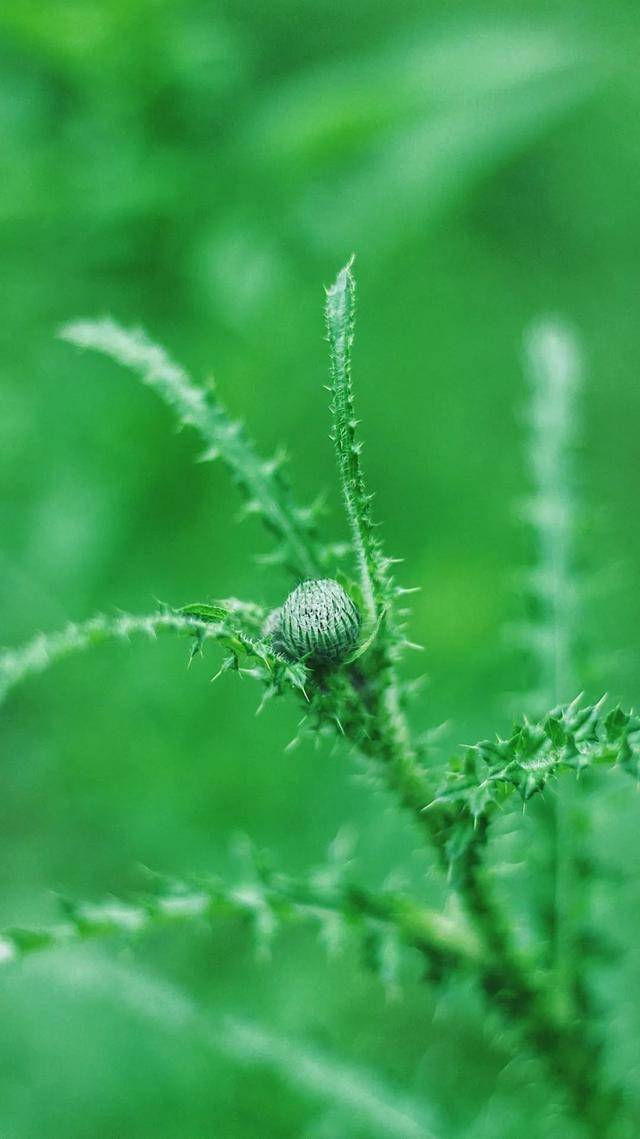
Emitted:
<point x="552" y="636"/>
<point x="375" y="584"/>
<point x="226" y="630"/>
<point x="381" y="691"/>
<point x="261" y="480"/>
<point x="572" y="738"/>
<point x="549" y="636"/>
<point x="360" y="699"/>
<point x="264" y="902"/>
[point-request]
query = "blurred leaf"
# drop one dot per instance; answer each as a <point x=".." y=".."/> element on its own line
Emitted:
<point x="376" y="147"/>
<point x="155" y="1019"/>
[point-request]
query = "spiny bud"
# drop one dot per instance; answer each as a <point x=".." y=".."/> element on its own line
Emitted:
<point x="319" y="623"/>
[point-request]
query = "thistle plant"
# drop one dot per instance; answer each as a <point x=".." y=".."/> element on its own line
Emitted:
<point x="335" y="645"/>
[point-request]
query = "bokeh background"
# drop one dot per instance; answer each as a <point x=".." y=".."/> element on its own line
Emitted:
<point x="204" y="169"/>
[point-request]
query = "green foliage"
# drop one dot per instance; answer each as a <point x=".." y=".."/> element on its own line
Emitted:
<point x="572" y="738"/>
<point x="360" y="699"/>
<point x="199" y="170"/>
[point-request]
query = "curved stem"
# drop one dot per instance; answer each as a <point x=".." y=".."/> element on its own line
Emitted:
<point x="197" y="407"/>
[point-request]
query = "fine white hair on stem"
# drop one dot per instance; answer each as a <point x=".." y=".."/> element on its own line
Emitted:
<point x="554" y="369"/>
<point x="553" y="364"/>
<point x="195" y="406"/>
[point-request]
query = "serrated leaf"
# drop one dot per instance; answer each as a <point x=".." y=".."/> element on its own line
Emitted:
<point x="204" y="611"/>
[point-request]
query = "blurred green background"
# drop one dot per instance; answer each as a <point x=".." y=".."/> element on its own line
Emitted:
<point x="204" y="169"/>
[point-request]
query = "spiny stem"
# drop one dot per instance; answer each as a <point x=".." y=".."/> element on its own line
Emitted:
<point x="555" y="374"/>
<point x="437" y="938"/>
<point x="394" y="745"/>
<point x="570" y="738"/>
<point x="43" y="650"/>
<point x="340" y="313"/>
<point x="223" y="437"/>
<point x="442" y="942"/>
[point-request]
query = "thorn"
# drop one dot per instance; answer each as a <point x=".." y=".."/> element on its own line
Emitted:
<point x="209" y="456"/>
<point x="277" y="557"/>
<point x="267" y="695"/>
<point x="253" y="506"/>
<point x="271" y="466"/>
<point x="230" y="662"/>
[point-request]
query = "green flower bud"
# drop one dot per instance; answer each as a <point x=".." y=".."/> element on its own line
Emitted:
<point x="319" y="623"/>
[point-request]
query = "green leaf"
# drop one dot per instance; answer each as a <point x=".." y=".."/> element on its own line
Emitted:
<point x="204" y="612"/>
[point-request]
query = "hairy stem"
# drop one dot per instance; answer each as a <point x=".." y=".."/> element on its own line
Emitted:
<point x="379" y="689"/>
<point x="45" y="649"/>
<point x="572" y="1059"/>
<point x="340" y="313"/>
<point x="555" y="374"/>
<point x="266" y="492"/>
<point x="437" y="938"/>
<point x="388" y="737"/>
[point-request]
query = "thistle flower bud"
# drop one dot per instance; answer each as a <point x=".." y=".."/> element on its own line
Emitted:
<point x="319" y="623"/>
